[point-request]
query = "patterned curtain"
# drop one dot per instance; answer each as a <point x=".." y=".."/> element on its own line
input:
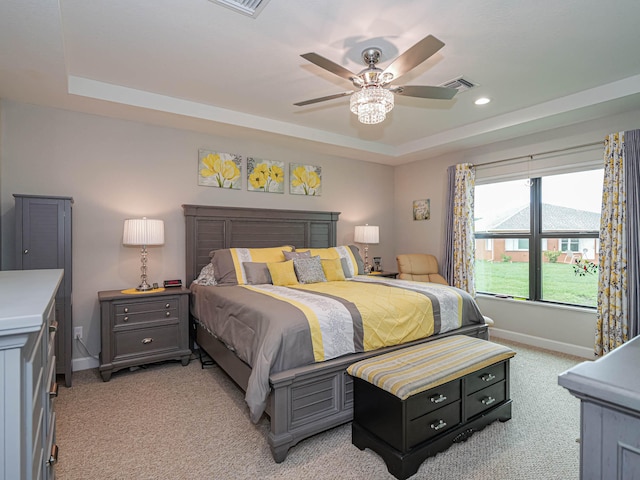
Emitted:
<point x="458" y="265"/>
<point x="619" y="265"/>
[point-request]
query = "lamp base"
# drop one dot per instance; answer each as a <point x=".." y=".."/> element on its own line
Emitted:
<point x="143" y="287"/>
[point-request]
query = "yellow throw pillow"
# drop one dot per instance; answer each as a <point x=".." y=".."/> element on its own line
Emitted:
<point x="282" y="273"/>
<point x="333" y="270"/>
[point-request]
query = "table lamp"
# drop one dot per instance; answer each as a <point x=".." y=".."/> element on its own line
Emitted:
<point x="143" y="232"/>
<point x="367" y="234"/>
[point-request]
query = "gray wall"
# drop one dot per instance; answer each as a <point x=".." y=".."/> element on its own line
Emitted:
<point x="116" y="169"/>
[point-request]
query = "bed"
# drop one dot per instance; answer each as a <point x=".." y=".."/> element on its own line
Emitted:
<point x="303" y="396"/>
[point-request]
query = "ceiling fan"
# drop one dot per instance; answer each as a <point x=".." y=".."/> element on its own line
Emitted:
<point x="374" y="97"/>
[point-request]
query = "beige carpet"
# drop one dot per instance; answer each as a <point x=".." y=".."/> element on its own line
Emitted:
<point x="167" y="421"/>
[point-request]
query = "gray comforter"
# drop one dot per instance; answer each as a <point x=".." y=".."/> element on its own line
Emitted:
<point x="272" y="334"/>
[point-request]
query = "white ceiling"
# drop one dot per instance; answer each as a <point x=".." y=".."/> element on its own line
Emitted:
<point x="197" y="65"/>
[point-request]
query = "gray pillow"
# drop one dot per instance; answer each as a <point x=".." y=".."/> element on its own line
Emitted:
<point x="309" y="270"/>
<point x="292" y="255"/>
<point x="256" y="273"/>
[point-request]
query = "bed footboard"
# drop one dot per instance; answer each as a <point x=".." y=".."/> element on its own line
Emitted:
<point x="307" y="400"/>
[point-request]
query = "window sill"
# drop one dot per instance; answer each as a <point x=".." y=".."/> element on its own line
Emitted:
<point x="536" y="304"/>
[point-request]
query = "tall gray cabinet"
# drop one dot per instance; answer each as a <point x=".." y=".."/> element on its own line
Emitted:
<point x="43" y="240"/>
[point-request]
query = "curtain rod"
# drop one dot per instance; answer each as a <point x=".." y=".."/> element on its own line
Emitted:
<point x="530" y="156"/>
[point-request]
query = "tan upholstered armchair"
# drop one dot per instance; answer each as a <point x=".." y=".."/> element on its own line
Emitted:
<point x="420" y="267"/>
<point x="423" y="267"/>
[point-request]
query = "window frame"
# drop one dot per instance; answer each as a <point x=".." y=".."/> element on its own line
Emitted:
<point x="536" y="236"/>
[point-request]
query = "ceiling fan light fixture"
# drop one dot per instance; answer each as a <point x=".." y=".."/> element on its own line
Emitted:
<point x="371" y="104"/>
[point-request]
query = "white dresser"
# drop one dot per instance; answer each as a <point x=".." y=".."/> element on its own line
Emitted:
<point x="27" y="374"/>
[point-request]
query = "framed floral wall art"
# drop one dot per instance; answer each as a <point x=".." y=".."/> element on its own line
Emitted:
<point x="222" y="170"/>
<point x="265" y="175"/>
<point x="422" y="209"/>
<point x="305" y="179"/>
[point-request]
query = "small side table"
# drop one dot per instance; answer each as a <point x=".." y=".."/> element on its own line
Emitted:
<point x="384" y="274"/>
<point x="143" y="328"/>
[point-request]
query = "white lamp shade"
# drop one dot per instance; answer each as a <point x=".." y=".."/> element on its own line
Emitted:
<point x="143" y="231"/>
<point x="368" y="234"/>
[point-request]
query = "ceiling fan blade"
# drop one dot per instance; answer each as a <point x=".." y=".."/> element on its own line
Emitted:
<point x="322" y="99"/>
<point x="414" y="56"/>
<point x="423" y="91"/>
<point x="328" y="65"/>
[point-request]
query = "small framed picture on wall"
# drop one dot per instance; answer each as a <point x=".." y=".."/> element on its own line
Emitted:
<point x="422" y="209"/>
<point x="305" y="179"/>
<point x="221" y="170"/>
<point x="265" y="175"/>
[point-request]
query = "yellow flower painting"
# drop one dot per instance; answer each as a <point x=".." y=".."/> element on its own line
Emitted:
<point x="220" y="170"/>
<point x="265" y="175"/>
<point x="305" y="179"/>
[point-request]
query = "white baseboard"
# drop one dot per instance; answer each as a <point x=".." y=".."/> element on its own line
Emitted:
<point x="85" y="363"/>
<point x="88" y="363"/>
<point x="545" y="343"/>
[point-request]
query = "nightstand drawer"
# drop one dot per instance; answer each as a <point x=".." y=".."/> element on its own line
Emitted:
<point x="128" y="313"/>
<point x="142" y="317"/>
<point x="146" y="341"/>
<point x="166" y="303"/>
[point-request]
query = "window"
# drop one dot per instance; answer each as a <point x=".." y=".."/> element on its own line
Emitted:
<point x="516" y="244"/>
<point x="527" y="249"/>
<point x="570" y="244"/>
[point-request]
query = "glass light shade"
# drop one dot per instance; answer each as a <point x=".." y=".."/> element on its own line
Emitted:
<point x="371" y="104"/>
<point x="143" y="231"/>
<point x="369" y="234"/>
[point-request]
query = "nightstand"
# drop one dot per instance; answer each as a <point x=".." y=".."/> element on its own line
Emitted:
<point x="384" y="274"/>
<point x="143" y="328"/>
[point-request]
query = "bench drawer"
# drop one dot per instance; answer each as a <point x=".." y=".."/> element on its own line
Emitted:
<point x="487" y="376"/>
<point x="433" y="399"/>
<point x="433" y="423"/>
<point x="485" y="399"/>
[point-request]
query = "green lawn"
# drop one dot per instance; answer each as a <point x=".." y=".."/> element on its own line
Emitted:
<point x="559" y="282"/>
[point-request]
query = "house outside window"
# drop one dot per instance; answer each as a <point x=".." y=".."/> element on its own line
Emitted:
<point x="548" y="224"/>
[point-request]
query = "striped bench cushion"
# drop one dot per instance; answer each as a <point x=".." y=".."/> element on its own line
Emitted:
<point x="415" y="369"/>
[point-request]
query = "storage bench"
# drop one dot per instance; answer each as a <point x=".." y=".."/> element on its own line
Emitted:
<point x="415" y="402"/>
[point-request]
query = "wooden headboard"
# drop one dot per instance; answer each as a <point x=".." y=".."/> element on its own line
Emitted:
<point x="210" y="228"/>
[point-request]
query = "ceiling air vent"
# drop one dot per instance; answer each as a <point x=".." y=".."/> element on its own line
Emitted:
<point x="460" y="84"/>
<point x="250" y="8"/>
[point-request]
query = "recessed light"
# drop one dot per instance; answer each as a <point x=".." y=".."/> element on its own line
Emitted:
<point x="482" y="101"/>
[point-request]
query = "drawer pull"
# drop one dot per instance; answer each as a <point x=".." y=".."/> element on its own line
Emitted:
<point x="54" y="390"/>
<point x="488" y="401"/>
<point x="439" y="399"/>
<point x="147" y="340"/>
<point x="53" y="457"/>
<point x="126" y="318"/>
<point x="126" y="309"/>
<point x="167" y="305"/>
<point x="440" y="425"/>
<point x="487" y="377"/>
<point x="54" y="326"/>
<point x="168" y="314"/>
